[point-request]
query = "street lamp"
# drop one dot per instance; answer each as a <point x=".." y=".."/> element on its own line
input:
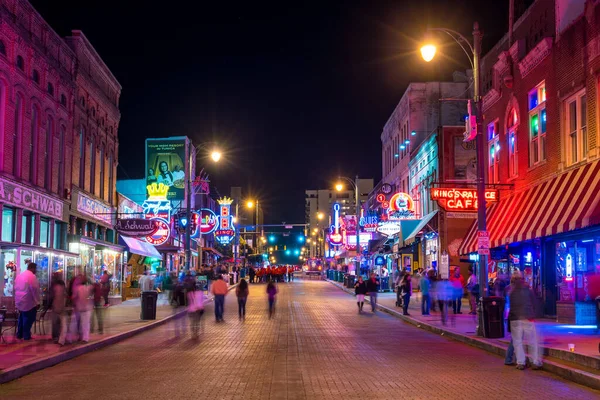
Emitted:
<point x="339" y="187"/>
<point x="194" y="151"/>
<point x="473" y="52"/>
<point x="254" y="204"/>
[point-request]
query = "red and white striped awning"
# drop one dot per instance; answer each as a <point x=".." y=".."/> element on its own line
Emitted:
<point x="567" y="202"/>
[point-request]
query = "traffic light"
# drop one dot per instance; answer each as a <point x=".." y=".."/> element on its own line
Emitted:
<point x="272" y="239"/>
<point x="296" y="252"/>
<point x="288" y="252"/>
<point x="301" y="239"/>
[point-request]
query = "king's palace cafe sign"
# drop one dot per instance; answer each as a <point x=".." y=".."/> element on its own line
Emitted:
<point x="465" y="200"/>
<point x="21" y="196"/>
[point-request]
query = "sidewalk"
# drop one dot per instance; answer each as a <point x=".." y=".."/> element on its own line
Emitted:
<point x="582" y="365"/>
<point x="18" y="358"/>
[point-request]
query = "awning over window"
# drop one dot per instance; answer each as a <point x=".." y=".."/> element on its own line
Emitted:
<point x="410" y="238"/>
<point x="140" y="247"/>
<point x="567" y="202"/>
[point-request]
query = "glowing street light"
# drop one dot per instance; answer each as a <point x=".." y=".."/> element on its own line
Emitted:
<point x="215" y="155"/>
<point x="250" y="204"/>
<point x="339" y="187"/>
<point x="428" y="52"/>
<point x="320" y="216"/>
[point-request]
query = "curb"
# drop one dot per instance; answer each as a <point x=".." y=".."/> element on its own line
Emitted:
<point x="572" y="374"/>
<point x="49" y="361"/>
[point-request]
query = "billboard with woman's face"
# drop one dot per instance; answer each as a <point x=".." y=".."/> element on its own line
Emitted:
<point x="165" y="163"/>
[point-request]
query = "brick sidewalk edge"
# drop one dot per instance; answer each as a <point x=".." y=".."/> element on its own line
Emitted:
<point x="575" y="375"/>
<point x="49" y="361"/>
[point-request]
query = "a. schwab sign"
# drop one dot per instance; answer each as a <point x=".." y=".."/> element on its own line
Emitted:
<point x="23" y="197"/>
<point x="94" y="208"/>
<point x="136" y="227"/>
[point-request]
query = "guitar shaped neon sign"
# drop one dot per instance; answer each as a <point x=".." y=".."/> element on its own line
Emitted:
<point x="335" y="236"/>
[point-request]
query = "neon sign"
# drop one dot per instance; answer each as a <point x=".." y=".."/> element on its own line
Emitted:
<point x="162" y="233"/>
<point x="157" y="205"/>
<point x="225" y="231"/>
<point x="335" y="236"/>
<point x="206" y="222"/>
<point x="453" y="199"/>
<point x="401" y="206"/>
<point x="350" y="240"/>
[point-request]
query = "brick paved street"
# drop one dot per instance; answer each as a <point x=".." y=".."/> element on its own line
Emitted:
<point x="316" y="347"/>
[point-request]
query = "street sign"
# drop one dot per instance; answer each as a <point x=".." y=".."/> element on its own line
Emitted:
<point x="289" y="227"/>
<point x="445" y="266"/>
<point x="483" y="243"/>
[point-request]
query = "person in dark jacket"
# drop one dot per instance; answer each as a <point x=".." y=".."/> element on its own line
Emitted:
<point x="372" y="285"/>
<point x="405" y="291"/>
<point x="242" y="291"/>
<point x="360" y="289"/>
<point x="521" y="314"/>
<point x="57" y="302"/>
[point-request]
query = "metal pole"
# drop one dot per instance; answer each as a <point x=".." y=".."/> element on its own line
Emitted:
<point x="481" y="205"/>
<point x="236" y="253"/>
<point x="200" y="241"/>
<point x="357" y="200"/>
<point x="257" y="238"/>
<point x="188" y="213"/>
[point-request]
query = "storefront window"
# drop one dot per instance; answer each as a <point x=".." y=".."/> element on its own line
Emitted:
<point x="71" y="266"/>
<point x="44" y="232"/>
<point x="575" y="265"/>
<point x="58" y="230"/>
<point x="8" y="224"/>
<point x="8" y="271"/>
<point x="42" y="261"/>
<point x="58" y="265"/>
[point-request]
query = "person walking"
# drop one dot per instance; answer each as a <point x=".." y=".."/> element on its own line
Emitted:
<point x="522" y="312"/>
<point x="251" y="273"/>
<point x="98" y="315"/>
<point x="219" y="290"/>
<point x="57" y="303"/>
<point x="360" y="289"/>
<point x="27" y="300"/>
<point x="405" y="292"/>
<point x="372" y="285"/>
<point x="473" y="289"/>
<point x="271" y="293"/>
<point x="242" y="291"/>
<point x="425" y="286"/>
<point x="509" y="359"/>
<point x="82" y="307"/>
<point x="458" y="283"/>
<point x="105" y="282"/>
<point x="178" y="301"/>
<point x="195" y="310"/>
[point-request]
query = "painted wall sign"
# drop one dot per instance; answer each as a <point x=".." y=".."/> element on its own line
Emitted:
<point x="208" y="222"/>
<point x="94" y="208"/>
<point x="136" y="227"/>
<point x="335" y="236"/>
<point x="162" y="233"/>
<point x="463" y="200"/>
<point x="23" y="197"/>
<point x="225" y="231"/>
<point x="388" y="228"/>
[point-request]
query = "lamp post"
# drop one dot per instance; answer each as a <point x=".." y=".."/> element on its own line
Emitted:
<point x="255" y="204"/>
<point x="473" y="52"/>
<point x="339" y="187"/>
<point x="215" y="155"/>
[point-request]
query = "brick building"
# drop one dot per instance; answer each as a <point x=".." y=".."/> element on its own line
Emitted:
<point x="43" y="77"/>
<point x="540" y="117"/>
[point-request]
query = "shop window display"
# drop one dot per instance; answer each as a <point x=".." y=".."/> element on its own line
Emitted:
<point x="42" y="261"/>
<point x="8" y="271"/>
<point x="576" y="263"/>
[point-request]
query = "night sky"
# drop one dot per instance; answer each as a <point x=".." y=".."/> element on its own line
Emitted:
<point x="296" y="93"/>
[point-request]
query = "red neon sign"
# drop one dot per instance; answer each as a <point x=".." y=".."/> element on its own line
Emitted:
<point x="452" y="199"/>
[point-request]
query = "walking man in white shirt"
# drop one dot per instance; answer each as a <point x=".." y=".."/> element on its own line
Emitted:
<point x="27" y="299"/>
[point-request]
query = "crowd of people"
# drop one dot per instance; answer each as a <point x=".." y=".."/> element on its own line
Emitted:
<point x="277" y="273"/>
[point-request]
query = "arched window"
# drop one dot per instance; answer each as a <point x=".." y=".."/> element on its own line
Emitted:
<point x="17" y="136"/>
<point x="50" y="89"/>
<point x="511" y="137"/>
<point x="82" y="101"/>
<point x="81" y="157"/>
<point x="110" y="178"/>
<point x="48" y="153"/>
<point x="20" y="63"/>
<point x="63" y="100"/>
<point x="102" y="164"/>
<point x="2" y="48"/>
<point x="36" y="76"/>
<point x="92" y="167"/>
<point x="93" y="110"/>
<point x="61" y="160"/>
<point x="33" y="146"/>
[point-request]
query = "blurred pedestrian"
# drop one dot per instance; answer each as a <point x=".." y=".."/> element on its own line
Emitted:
<point x="271" y="293"/>
<point x="522" y="326"/>
<point x="105" y="282"/>
<point x="195" y="310"/>
<point x="360" y="289"/>
<point x="372" y="286"/>
<point x="405" y="292"/>
<point x="425" y="286"/>
<point x="242" y="291"/>
<point x="458" y="283"/>
<point x="98" y="315"/>
<point x="178" y="301"/>
<point x="509" y="359"/>
<point x="251" y="273"/>
<point x="473" y="289"/>
<point x="444" y="293"/>
<point x="57" y="303"/>
<point x="219" y="290"/>
<point x="82" y="308"/>
<point x="27" y="300"/>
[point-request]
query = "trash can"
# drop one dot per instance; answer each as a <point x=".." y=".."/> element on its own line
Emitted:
<point x="341" y="277"/>
<point x="149" y="304"/>
<point x="350" y="281"/>
<point x="493" y="317"/>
